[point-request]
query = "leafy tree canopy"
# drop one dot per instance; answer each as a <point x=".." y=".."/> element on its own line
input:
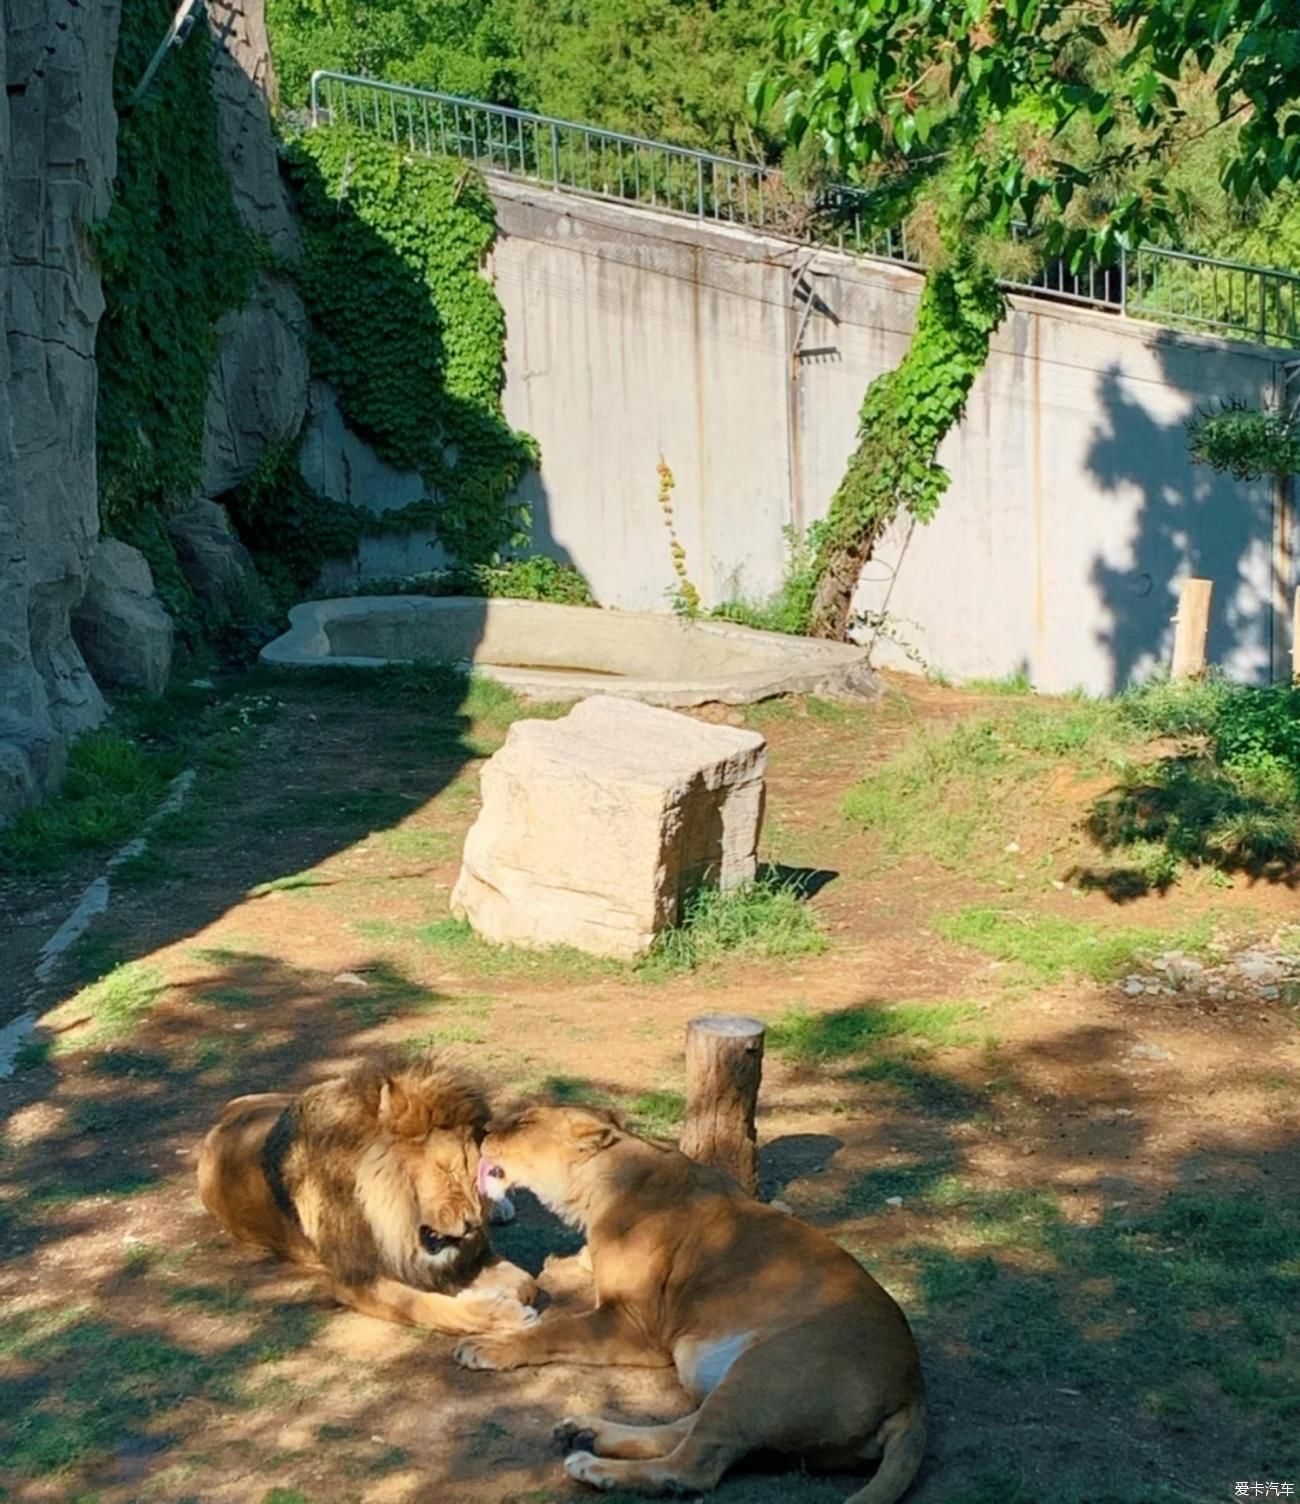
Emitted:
<point x="1055" y="118"/>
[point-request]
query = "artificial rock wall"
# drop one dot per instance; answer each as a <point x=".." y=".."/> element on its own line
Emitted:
<point x="57" y="159"/>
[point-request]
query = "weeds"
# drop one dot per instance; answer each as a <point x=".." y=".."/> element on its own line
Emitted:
<point x="1016" y="683"/>
<point x="789" y="609"/>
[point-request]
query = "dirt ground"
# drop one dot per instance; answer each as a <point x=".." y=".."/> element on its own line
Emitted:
<point x="1085" y="1200"/>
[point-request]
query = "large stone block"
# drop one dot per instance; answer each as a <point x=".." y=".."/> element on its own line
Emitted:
<point x="121" y="627"/>
<point x="595" y="827"/>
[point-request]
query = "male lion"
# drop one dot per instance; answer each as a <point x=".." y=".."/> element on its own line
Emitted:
<point x="786" y="1342"/>
<point x="373" y="1179"/>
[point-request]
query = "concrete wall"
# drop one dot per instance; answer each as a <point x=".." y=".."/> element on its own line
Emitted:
<point x="1073" y="513"/>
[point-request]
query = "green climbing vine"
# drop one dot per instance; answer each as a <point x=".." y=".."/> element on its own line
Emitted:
<point x="407" y="328"/>
<point x="174" y="257"/>
<point x="904" y="418"/>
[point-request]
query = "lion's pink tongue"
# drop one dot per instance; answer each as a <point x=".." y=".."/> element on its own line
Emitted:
<point x="491" y="1182"/>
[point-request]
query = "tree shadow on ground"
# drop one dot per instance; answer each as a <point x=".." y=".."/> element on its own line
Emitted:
<point x="1190" y="809"/>
<point x="1092" y="1330"/>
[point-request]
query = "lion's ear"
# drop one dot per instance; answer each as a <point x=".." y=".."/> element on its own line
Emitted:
<point x="400" y="1112"/>
<point x="596" y="1128"/>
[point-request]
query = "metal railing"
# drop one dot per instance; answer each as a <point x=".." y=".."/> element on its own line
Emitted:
<point x="1171" y="287"/>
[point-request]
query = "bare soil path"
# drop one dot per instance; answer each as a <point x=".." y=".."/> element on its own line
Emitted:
<point x="1087" y="1200"/>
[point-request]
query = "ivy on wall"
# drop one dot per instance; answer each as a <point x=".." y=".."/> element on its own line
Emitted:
<point x="408" y="330"/>
<point x="904" y="418"/>
<point x="174" y="258"/>
<point x="405" y="327"/>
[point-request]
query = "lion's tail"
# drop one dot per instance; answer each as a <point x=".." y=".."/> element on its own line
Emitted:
<point x="902" y="1442"/>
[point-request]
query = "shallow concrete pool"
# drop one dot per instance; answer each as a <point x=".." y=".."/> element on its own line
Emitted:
<point x="546" y="652"/>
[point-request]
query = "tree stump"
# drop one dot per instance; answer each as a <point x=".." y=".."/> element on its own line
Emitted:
<point x="724" y="1065"/>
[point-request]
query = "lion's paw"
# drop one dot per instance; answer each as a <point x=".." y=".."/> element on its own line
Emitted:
<point x="588" y="1469"/>
<point x="497" y="1311"/>
<point x="484" y="1353"/>
<point x="576" y="1431"/>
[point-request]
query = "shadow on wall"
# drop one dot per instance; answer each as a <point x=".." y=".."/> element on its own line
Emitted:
<point x="408" y="342"/>
<point x="1190" y="522"/>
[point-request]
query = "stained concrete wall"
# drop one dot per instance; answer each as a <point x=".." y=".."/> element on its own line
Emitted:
<point x="1073" y="513"/>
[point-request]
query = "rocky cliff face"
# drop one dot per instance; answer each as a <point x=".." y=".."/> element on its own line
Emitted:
<point x="259" y="383"/>
<point x="57" y="160"/>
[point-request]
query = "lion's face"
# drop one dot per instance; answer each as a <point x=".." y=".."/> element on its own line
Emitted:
<point x="418" y="1185"/>
<point x="545" y="1148"/>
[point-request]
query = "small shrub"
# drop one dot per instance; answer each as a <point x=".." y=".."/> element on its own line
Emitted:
<point x="1260" y="729"/>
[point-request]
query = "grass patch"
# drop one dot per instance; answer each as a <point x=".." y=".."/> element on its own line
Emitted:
<point x="1146" y="1306"/>
<point x="418" y="845"/>
<point x="1234" y="818"/>
<point x="653" y="1114"/>
<point x="118" y="774"/>
<point x="387" y="993"/>
<point x="765" y="920"/>
<point x="112" y="784"/>
<point x="656" y="1114"/>
<point x="1047" y="947"/>
<point x="1229" y="798"/>
<point x="289" y="884"/>
<point x="888" y="1047"/>
<point x="808" y="1038"/>
<point x="235" y="999"/>
<point x="948" y="797"/>
<point x="1016" y="683"/>
<point x="465" y="1023"/>
<point x="455" y="939"/>
<point x="106" y="1011"/>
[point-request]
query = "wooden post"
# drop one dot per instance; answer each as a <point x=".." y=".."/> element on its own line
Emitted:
<point x="724" y="1065"/>
<point x="1191" y="628"/>
<point x="1295" y="638"/>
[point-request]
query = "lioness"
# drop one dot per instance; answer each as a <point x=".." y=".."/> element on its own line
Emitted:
<point x="373" y="1179"/>
<point x="786" y="1341"/>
